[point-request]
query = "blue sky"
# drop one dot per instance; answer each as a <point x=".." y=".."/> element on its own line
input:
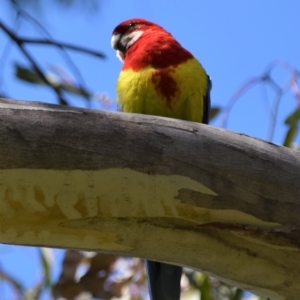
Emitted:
<point x="234" y="40"/>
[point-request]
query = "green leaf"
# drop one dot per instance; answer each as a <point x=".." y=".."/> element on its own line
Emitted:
<point x="31" y="76"/>
<point x="291" y="134"/>
<point x="27" y="75"/>
<point x="205" y="289"/>
<point x="46" y="264"/>
<point x="294" y="117"/>
<point x="214" y="111"/>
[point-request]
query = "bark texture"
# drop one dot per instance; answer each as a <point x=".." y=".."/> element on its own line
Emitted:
<point x="163" y="189"/>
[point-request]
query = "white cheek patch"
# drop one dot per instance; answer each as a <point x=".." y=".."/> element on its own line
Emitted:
<point x="129" y="39"/>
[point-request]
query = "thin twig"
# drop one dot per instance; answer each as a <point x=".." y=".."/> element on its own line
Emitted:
<point x="68" y="59"/>
<point x="52" y="42"/>
<point x="19" y="43"/>
<point x="7" y="49"/>
<point x="245" y="87"/>
<point x="280" y="91"/>
<point x="49" y="41"/>
<point x="62" y="45"/>
<point x="291" y="84"/>
<point x="274" y="115"/>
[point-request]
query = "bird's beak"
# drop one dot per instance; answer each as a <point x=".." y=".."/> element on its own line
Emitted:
<point x="115" y="39"/>
<point x="115" y="43"/>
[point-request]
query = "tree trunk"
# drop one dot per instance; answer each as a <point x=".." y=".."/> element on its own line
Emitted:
<point x="158" y="188"/>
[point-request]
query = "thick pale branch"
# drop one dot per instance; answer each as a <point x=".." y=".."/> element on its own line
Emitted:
<point x="157" y="188"/>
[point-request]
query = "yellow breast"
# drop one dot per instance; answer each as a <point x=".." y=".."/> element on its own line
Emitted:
<point x="175" y="92"/>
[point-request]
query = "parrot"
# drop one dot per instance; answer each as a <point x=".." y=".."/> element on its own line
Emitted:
<point x="159" y="77"/>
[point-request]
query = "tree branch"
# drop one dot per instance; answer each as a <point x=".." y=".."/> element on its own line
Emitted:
<point x="63" y="45"/>
<point x="157" y="188"/>
<point x="35" y="66"/>
<point x="20" y="42"/>
<point x="81" y="82"/>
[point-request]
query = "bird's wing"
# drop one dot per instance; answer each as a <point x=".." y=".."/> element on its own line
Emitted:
<point x="206" y="102"/>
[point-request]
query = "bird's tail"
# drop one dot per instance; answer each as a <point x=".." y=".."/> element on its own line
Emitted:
<point x="164" y="281"/>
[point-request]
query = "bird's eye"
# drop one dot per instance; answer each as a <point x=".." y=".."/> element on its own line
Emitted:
<point x="132" y="24"/>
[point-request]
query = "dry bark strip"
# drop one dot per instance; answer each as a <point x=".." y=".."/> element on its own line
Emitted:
<point x="186" y="193"/>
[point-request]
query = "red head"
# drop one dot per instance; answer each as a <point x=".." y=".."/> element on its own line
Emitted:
<point x="140" y="43"/>
<point x="128" y="32"/>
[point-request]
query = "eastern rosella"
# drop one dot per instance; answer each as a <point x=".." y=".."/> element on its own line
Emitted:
<point x="159" y="77"/>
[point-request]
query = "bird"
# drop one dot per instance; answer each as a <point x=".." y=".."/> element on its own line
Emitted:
<point x="159" y="77"/>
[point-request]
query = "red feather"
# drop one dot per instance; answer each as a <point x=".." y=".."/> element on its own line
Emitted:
<point x="156" y="47"/>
